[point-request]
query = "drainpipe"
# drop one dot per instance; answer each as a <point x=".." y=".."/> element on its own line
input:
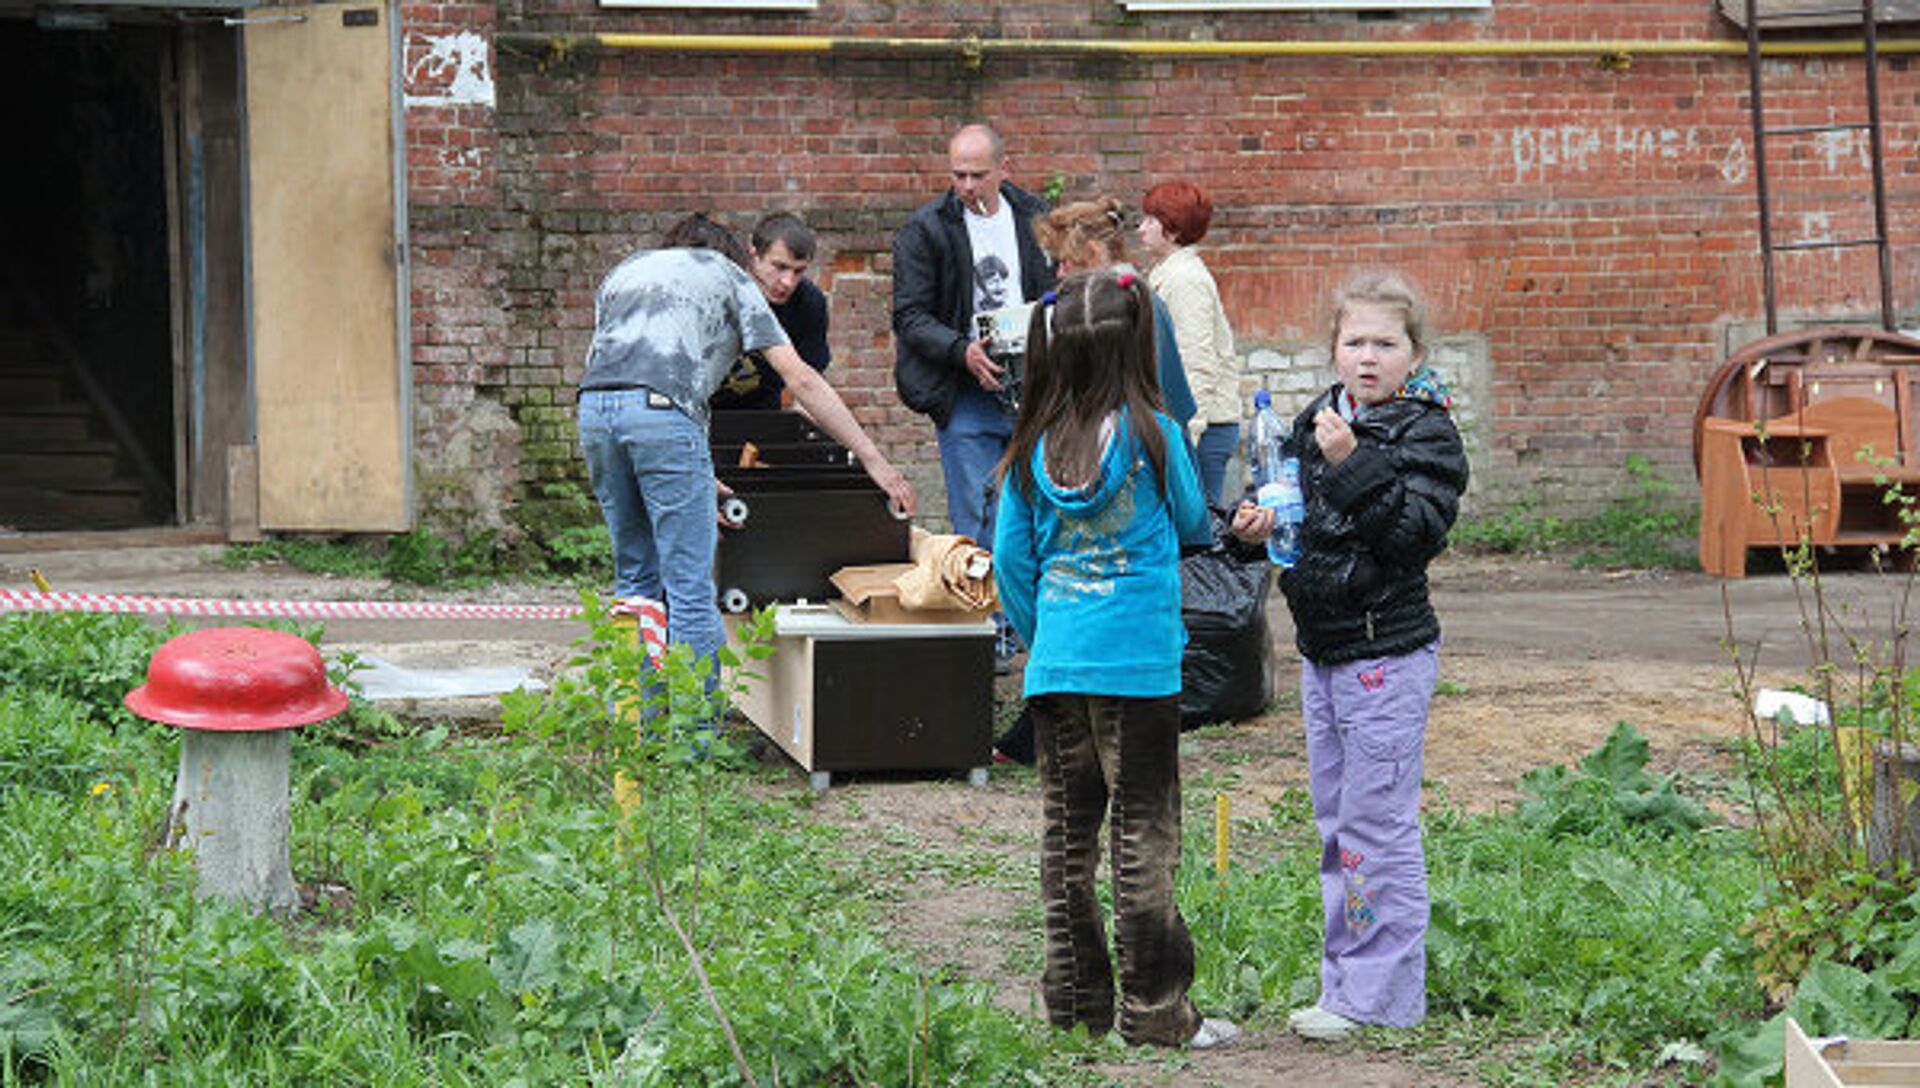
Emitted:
<point x="971" y="51"/>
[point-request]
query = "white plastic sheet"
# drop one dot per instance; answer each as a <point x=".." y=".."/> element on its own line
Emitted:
<point x="381" y="679"/>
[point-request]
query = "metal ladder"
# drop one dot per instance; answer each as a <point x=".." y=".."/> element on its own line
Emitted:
<point x="1768" y="247"/>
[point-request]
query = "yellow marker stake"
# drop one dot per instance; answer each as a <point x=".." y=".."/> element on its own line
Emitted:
<point x="40" y="581"/>
<point x="1220" y="834"/>
<point x="626" y="791"/>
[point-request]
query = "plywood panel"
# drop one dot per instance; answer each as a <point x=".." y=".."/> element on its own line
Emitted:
<point x="330" y="385"/>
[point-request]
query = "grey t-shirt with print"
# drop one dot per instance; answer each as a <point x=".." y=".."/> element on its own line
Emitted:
<point x="674" y="321"/>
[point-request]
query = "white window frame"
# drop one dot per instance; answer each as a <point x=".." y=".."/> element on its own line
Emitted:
<point x="1301" y="5"/>
<point x="718" y="5"/>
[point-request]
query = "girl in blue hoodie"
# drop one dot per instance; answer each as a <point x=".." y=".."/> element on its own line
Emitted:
<point x="1098" y="495"/>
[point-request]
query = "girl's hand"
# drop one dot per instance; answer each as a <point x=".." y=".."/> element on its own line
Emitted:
<point x="1336" y="439"/>
<point x="1252" y="524"/>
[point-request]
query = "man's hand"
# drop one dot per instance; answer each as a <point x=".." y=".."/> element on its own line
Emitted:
<point x="982" y="367"/>
<point x="723" y="493"/>
<point x="820" y="403"/>
<point x="900" y="497"/>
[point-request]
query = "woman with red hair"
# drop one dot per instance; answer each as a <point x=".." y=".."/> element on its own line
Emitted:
<point x="1177" y="214"/>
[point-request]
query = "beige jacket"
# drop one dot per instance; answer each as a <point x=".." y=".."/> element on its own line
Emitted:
<point x="1200" y="328"/>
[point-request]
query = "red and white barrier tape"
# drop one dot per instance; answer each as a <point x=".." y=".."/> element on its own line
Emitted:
<point x="651" y="615"/>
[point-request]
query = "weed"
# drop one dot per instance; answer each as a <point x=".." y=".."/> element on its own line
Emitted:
<point x="337" y="557"/>
<point x="1646" y="527"/>
<point x="497" y="918"/>
<point x="571" y="536"/>
<point x="416" y="558"/>
<point x="1610" y="792"/>
<point x="1519" y="529"/>
<point x="1834" y="937"/>
<point x="93" y="659"/>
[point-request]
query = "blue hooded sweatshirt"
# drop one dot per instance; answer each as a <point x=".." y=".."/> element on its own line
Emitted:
<point x="1090" y="577"/>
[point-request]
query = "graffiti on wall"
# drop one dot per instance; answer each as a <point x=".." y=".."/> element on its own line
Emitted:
<point x="1541" y="152"/>
<point x="449" y="70"/>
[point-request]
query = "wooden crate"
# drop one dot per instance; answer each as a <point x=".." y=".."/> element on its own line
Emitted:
<point x="1849" y="1063"/>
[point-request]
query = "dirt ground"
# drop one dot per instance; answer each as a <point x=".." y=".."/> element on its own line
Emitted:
<point x="1539" y="662"/>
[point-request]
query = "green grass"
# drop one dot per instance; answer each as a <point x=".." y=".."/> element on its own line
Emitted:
<point x="488" y="919"/>
<point x="492" y="928"/>
<point x="417" y="558"/>
<point x="1573" y="950"/>
<point x="1645" y="527"/>
<point x="560" y="536"/>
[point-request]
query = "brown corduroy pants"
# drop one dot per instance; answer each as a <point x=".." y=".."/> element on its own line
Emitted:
<point x="1099" y="756"/>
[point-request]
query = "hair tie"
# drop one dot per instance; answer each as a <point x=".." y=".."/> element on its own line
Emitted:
<point x="1049" y="298"/>
<point x="1113" y="214"/>
<point x="1125" y="280"/>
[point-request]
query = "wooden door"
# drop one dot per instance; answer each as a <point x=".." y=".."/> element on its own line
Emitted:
<point x="330" y="381"/>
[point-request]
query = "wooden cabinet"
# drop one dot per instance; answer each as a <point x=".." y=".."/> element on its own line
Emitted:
<point x="840" y="695"/>
<point x="1800" y="437"/>
<point x="1763" y="485"/>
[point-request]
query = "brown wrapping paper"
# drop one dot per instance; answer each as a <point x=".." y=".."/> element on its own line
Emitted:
<point x="949" y="571"/>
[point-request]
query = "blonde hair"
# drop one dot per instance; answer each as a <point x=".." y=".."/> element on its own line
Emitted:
<point x="1070" y="230"/>
<point x="1388" y="290"/>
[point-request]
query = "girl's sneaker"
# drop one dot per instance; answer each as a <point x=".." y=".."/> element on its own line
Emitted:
<point x="1314" y="1022"/>
<point x="1213" y="1032"/>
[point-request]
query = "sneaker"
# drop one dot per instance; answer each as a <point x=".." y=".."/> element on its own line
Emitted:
<point x="1213" y="1032"/>
<point x="1001" y="757"/>
<point x="1314" y="1022"/>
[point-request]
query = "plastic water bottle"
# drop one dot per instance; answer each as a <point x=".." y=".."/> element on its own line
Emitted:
<point x="1276" y="480"/>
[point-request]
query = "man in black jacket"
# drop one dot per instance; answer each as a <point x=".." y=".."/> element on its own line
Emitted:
<point x="970" y="250"/>
<point x="781" y="249"/>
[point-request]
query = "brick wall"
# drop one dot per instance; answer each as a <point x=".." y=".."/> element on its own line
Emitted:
<point x="1585" y="232"/>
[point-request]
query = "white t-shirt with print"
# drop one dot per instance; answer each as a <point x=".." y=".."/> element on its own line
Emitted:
<point x="996" y="260"/>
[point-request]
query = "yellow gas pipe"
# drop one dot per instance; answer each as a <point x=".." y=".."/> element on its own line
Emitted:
<point x="971" y="51"/>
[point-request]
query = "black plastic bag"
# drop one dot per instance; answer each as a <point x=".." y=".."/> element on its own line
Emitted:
<point x="1226" y="674"/>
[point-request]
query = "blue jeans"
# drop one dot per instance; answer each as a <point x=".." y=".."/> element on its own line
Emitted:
<point x="653" y="474"/>
<point x="1217" y="445"/>
<point x="971" y="444"/>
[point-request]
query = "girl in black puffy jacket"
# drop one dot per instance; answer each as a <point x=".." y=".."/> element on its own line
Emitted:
<point x="1382" y="468"/>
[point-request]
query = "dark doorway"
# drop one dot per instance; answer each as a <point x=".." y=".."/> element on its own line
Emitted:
<point x="87" y="399"/>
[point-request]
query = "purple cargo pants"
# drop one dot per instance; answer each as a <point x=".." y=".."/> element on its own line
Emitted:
<point x="1366" y="726"/>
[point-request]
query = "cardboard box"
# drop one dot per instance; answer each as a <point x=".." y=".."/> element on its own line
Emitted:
<point x="1847" y="1063"/>
<point x="867" y="595"/>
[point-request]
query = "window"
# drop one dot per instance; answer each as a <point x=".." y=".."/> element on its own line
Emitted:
<point x="718" y="5"/>
<point x="1298" y="5"/>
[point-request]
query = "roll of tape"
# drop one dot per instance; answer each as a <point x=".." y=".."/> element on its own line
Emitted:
<point x="735" y="509"/>
<point x="734" y="600"/>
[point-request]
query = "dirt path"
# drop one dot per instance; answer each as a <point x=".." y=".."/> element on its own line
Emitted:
<point x="1539" y="663"/>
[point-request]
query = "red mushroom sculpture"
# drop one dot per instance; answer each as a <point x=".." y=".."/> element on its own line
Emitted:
<point x="234" y="692"/>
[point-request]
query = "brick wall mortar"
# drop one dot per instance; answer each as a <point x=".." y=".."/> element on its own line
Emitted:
<point x="1587" y="235"/>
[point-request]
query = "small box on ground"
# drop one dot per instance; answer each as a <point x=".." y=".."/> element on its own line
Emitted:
<point x="838" y="695"/>
<point x="1849" y="1063"/>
